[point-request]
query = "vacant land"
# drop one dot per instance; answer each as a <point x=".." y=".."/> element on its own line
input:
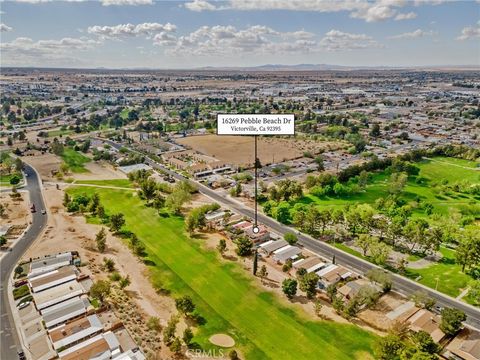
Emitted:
<point x="261" y="324"/>
<point x="75" y="160"/>
<point x="239" y="150"/>
<point x="434" y="171"/>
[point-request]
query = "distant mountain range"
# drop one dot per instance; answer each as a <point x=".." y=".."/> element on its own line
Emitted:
<point x="326" y="67"/>
<point x="271" y="67"/>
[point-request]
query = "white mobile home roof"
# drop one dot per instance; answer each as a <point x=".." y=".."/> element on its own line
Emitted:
<point x="288" y="253"/>
<point x="49" y="263"/>
<point x="274" y="246"/>
<point x="282" y="249"/>
<point x="57" y="294"/>
<point x="316" y="267"/>
<point x="53" y="278"/>
<point x="326" y="270"/>
<point x="64" y="311"/>
<point x="79" y="333"/>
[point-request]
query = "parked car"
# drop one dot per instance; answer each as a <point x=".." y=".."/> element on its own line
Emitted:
<point x="23" y="304"/>
<point x="43" y="212"/>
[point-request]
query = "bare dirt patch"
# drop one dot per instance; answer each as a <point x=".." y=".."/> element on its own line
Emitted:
<point x="45" y="164"/>
<point x="17" y="210"/>
<point x="99" y="171"/>
<point x="239" y="150"/>
<point x="222" y="340"/>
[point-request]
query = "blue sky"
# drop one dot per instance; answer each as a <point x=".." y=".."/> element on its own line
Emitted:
<point x="195" y="33"/>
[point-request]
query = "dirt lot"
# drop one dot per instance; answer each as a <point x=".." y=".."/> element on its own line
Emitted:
<point x="18" y="212"/>
<point x="44" y="164"/>
<point x="239" y="150"/>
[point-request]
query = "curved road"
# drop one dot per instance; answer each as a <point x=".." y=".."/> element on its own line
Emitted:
<point x="400" y="284"/>
<point x="9" y="342"/>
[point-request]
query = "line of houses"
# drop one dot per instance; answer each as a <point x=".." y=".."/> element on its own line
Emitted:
<point x="60" y="321"/>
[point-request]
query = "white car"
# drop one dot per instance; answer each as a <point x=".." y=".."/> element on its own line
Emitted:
<point x="43" y="212"/>
<point x="23" y="305"/>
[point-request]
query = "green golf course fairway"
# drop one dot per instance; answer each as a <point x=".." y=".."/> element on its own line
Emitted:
<point x="263" y="325"/>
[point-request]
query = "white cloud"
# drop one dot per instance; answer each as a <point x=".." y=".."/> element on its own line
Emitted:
<point x="406" y="16"/>
<point x="470" y="32"/>
<point x="370" y="11"/>
<point x="24" y="50"/>
<point x="5" y="28"/>
<point x="414" y="34"/>
<point x="200" y="5"/>
<point x="126" y="2"/>
<point x="103" y="2"/>
<point x="129" y="30"/>
<point x="336" y="40"/>
<point x="222" y="40"/>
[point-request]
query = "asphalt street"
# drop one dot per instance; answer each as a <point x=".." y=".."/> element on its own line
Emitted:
<point x="9" y="342"/>
<point x="401" y="284"/>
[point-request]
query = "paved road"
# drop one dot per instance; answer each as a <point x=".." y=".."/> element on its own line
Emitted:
<point x="8" y="336"/>
<point x="401" y="284"/>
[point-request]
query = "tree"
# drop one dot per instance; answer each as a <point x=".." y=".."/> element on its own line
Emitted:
<point x="94" y="203"/>
<point x="290" y="238"/>
<point x="185" y="305"/>
<point x="100" y="289"/>
<point x="474" y="292"/>
<point x="282" y="212"/>
<point x="289" y="287"/>
<point x="364" y="241"/>
<point x="153" y="324"/>
<point x="397" y="183"/>
<point x="308" y="284"/>
<point x="19" y="270"/>
<point x="124" y="282"/>
<point x="176" y="199"/>
<point x="381" y="277"/>
<point x="415" y="232"/>
<point x="222" y="246"/>
<point x="101" y="240"/>
<point x="148" y="188"/>
<point x="424" y="343"/>
<point x="363" y="179"/>
<point x="116" y="222"/>
<point x="175" y="346"/>
<point x="320" y="164"/>
<point x="388" y="347"/>
<point x="232" y="355"/>
<point x="109" y="264"/>
<point x="375" y="132"/>
<point x="169" y="330"/>
<point x="263" y="273"/>
<point x="255" y="263"/>
<point x="379" y="251"/>
<point x="452" y="320"/>
<point x="187" y="336"/>
<point x="66" y="199"/>
<point x="422" y="299"/>
<point x="244" y="246"/>
<point x="468" y="249"/>
<point x="3" y="241"/>
<point x="317" y="307"/>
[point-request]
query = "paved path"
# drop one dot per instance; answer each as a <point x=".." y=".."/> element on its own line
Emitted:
<point x="9" y="342"/>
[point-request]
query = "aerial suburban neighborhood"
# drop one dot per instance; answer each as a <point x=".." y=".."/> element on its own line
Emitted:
<point x="225" y="194"/>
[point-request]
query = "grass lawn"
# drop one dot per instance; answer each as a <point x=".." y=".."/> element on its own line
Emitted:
<point x="75" y="160"/>
<point x="125" y="183"/>
<point x="5" y="179"/>
<point x="447" y="271"/>
<point x="263" y="325"/>
<point x="57" y="133"/>
<point x="452" y="170"/>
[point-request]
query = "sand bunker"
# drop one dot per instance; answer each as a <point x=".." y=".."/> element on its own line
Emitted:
<point x="222" y="340"/>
